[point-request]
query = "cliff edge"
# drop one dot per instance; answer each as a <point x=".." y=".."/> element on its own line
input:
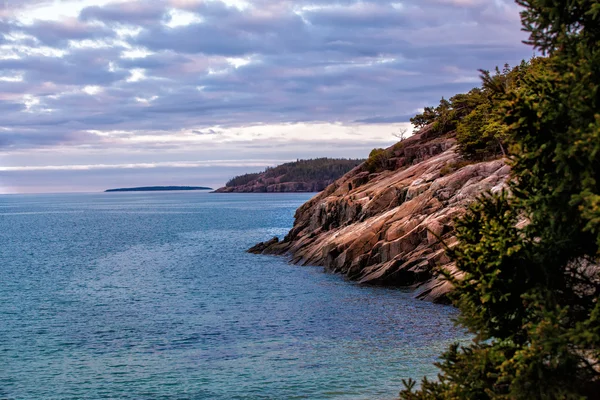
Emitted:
<point x="384" y="227"/>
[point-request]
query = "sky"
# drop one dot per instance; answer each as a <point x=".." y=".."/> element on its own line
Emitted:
<point x="97" y="94"/>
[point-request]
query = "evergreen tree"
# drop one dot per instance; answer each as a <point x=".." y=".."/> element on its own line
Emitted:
<point x="529" y="258"/>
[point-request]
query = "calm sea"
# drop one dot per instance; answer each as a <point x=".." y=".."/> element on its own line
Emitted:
<point x="151" y="296"/>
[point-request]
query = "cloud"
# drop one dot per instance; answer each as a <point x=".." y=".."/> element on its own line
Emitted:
<point x="110" y="75"/>
<point x="385" y="120"/>
<point x="126" y="13"/>
<point x="178" y="164"/>
<point x="59" y="33"/>
<point x="206" y="132"/>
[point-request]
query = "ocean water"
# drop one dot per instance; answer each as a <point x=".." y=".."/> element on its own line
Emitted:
<point x="152" y="296"/>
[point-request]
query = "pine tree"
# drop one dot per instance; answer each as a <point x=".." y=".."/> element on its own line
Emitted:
<point x="529" y="257"/>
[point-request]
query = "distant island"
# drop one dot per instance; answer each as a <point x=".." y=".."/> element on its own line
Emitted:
<point x="157" y="189"/>
<point x="298" y="176"/>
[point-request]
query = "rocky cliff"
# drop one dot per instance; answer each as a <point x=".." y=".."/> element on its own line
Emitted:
<point x="298" y="176"/>
<point x="384" y="227"/>
<point x="272" y="185"/>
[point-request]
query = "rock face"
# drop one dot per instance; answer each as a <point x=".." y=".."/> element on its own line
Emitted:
<point x="273" y="186"/>
<point x="385" y="228"/>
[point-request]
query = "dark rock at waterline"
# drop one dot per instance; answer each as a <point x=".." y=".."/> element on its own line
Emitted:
<point x="261" y="247"/>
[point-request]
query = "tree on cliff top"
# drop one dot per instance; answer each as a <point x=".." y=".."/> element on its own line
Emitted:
<point x="530" y="294"/>
<point x="476" y="116"/>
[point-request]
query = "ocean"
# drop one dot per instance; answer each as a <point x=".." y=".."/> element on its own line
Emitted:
<point x="152" y="296"/>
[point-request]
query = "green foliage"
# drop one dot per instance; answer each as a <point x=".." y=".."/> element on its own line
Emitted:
<point x="483" y="133"/>
<point x="319" y="169"/>
<point x="428" y="116"/>
<point x="446" y="116"/>
<point x="477" y="135"/>
<point x="477" y="116"/>
<point x="242" y="179"/>
<point x="530" y="294"/>
<point x="378" y="160"/>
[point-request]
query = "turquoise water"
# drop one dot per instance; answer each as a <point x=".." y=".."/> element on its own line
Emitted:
<point x="151" y="296"/>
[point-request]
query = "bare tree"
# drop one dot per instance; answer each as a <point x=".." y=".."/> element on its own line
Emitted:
<point x="401" y="134"/>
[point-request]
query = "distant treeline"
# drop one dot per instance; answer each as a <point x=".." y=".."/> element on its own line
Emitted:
<point x="301" y="171"/>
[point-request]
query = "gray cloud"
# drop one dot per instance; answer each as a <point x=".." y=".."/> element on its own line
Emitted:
<point x="126" y="13"/>
<point x="79" y="67"/>
<point x="53" y="33"/>
<point x="120" y="67"/>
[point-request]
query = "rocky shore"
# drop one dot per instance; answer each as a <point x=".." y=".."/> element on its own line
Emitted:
<point x="385" y="227"/>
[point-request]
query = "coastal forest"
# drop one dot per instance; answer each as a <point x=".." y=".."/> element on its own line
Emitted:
<point x="528" y="284"/>
<point x="301" y="175"/>
<point x="301" y="170"/>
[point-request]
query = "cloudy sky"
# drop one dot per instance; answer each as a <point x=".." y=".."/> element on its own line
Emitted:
<point x="110" y="93"/>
